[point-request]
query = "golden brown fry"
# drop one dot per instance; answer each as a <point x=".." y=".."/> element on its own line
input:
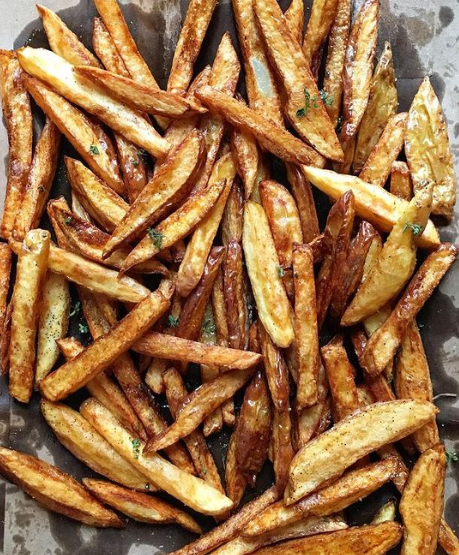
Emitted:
<point x="30" y="276"/>
<point x="235" y="481"/>
<point x="382" y="105"/>
<point x="294" y="16"/>
<point x="18" y="118"/>
<point x="321" y="18"/>
<point x="233" y="216"/>
<point x="325" y="458"/>
<point x="276" y="370"/>
<point x="382" y="345"/>
<point x="236" y="311"/>
<point x="421" y="505"/>
<point x="301" y="191"/>
<point x="386" y="513"/>
<point x="400" y="181"/>
<point x="282" y="447"/>
<point x="5" y="275"/>
<point x="428" y="151"/>
<point x="5" y="340"/>
<point x="358" y="67"/>
<point x="448" y="539"/>
<point x="245" y="153"/>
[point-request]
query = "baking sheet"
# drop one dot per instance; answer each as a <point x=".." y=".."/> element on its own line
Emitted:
<point x="424" y="37"/>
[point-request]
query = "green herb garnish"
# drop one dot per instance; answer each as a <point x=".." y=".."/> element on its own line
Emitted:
<point x="415" y="228"/>
<point x="157" y="237"/>
<point x="280" y="271"/>
<point x="208" y="327"/>
<point x="135" y="162"/>
<point x="83" y="328"/>
<point x="451" y="457"/>
<point x="136" y="448"/>
<point x="68" y="220"/>
<point x="75" y="309"/>
<point x="309" y="102"/>
<point x="93" y="149"/>
<point x="172" y="321"/>
<point x="327" y="100"/>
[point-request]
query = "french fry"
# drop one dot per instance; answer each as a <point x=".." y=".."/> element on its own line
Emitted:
<point x="294" y="16"/>
<point x="400" y="180"/>
<point x="384" y="282"/>
<point x="59" y="74"/>
<point x="192" y="491"/>
<point x="139" y="506"/>
<point x="154" y="375"/>
<point x="5" y="275"/>
<point x="53" y="323"/>
<point x="237" y="317"/>
<point x="261" y="259"/>
<point x="302" y="193"/>
<point x="304" y="107"/>
<point x="198" y="248"/>
<point x="358" y="67"/>
<point x="325" y="457"/>
<point x="378" y="166"/>
<point x="233" y="215"/>
<point x="271" y="136"/>
<point x="18" y="117"/>
<point x="176" y="226"/>
<point x="30" y="275"/>
<point x="245" y="153"/>
<point x="372" y="203"/>
<point x="55" y="489"/>
<point x="100" y="354"/>
<point x="276" y="370"/>
<point x="386" y="513"/>
<point x="421" y="505"/>
<point x="448" y="539"/>
<point x="382" y="345"/>
<point x="282" y="446"/>
<point x="426" y="124"/>
<point x="346" y="165"/>
<point x="382" y="105"/>
<point x="235" y="481"/>
<point x="5" y="340"/>
<point x="78" y="436"/>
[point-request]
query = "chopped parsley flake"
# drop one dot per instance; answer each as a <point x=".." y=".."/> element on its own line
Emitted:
<point x="68" y="220"/>
<point x="309" y="102"/>
<point x="75" y="309"/>
<point x="415" y="228"/>
<point x="93" y="149"/>
<point x="157" y="237"/>
<point x="327" y="100"/>
<point x="136" y="448"/>
<point x="83" y="328"/>
<point x="451" y="457"/>
<point x="172" y="321"/>
<point x="208" y="326"/>
<point x="280" y="271"/>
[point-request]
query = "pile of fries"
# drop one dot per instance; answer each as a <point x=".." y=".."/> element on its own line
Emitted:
<point x="184" y="253"/>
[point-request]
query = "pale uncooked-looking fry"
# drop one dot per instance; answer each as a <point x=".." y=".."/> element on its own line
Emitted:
<point x="382" y="104"/>
<point x="358" y="67"/>
<point x="428" y="150"/>
<point x="55" y="489"/>
<point x="386" y="513"/>
<point x="30" y="275"/>
<point x="294" y="16"/>
<point x="421" y="505"/>
<point x="302" y="192"/>
<point x="325" y="457"/>
<point x="192" y="491"/>
<point x="383" y="344"/>
<point x="372" y="203"/>
<point x="400" y="180"/>
<point x="59" y="74"/>
<point x="18" y="117"/>
<point x="5" y="275"/>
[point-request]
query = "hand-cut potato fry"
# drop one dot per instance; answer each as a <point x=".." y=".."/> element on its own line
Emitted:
<point x="5" y="275"/>
<point x="236" y="311"/>
<point x="192" y="491"/>
<point x="262" y="88"/>
<point x="176" y="226"/>
<point x="53" y="323"/>
<point x="245" y="153"/>
<point x="346" y="165"/>
<point x="382" y="105"/>
<point x="59" y="74"/>
<point x="100" y="354"/>
<point x="105" y="48"/>
<point x="271" y="136"/>
<point x="5" y="340"/>
<point x="386" y="513"/>
<point x="385" y="281"/>
<point x="421" y="505"/>
<point x="378" y="166"/>
<point x="235" y="482"/>
<point x="448" y="539"/>
<point x="400" y="180"/>
<point x="382" y="345"/>
<point x="326" y="457"/>
<point x="140" y="506"/>
<point x="282" y="447"/>
<point x="233" y="216"/>
<point x="198" y="405"/>
<point x="294" y="16"/>
<point x="55" y="489"/>
<point x="30" y="276"/>
<point x="321" y="18"/>
<point x="336" y="55"/>
<point x="428" y="151"/>
<point x="301" y="191"/>
<point x="350" y="488"/>
<point x="261" y="259"/>
<point x="275" y="368"/>
<point x="358" y="67"/>
<point x="372" y="203"/>
<point x="18" y="118"/>
<point x="304" y="107"/>
<point x="198" y="248"/>
<point x="175" y="348"/>
<point x="87" y="445"/>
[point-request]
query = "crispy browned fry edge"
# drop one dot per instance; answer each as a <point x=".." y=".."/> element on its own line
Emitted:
<point x="323" y="14"/>
<point x="235" y="302"/>
<point x="235" y="482"/>
<point x="302" y="192"/>
<point x="282" y="446"/>
<point x="55" y="489"/>
<point x="246" y="157"/>
<point x="18" y="117"/>
<point x="276" y="370"/>
<point x="294" y="16"/>
<point x="5" y="340"/>
<point x="5" y="275"/>
<point x="233" y="216"/>
<point x="400" y="181"/>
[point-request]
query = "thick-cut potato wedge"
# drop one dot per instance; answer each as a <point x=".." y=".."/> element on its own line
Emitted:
<point x="294" y="16"/>
<point x="261" y="259"/>
<point x="235" y="482"/>
<point x="18" y="117"/>
<point x="382" y="345"/>
<point x="412" y="381"/>
<point x="246" y="156"/>
<point x="282" y="449"/>
<point x="192" y="491"/>
<point x="378" y="166"/>
<point x="372" y="203"/>
<point x="400" y="180"/>
<point x="304" y="107"/>
<point x="382" y="105"/>
<point x="53" y="323"/>
<point x="385" y="280"/>
<point x="140" y="506"/>
<point x="428" y="151"/>
<point x="271" y="136"/>
<point x="358" y="67"/>
<point x="236" y="310"/>
<point x="198" y="405"/>
<point x="5" y="275"/>
<point x="30" y="276"/>
<point x="421" y="505"/>
<point x="55" y="489"/>
<point x="87" y="445"/>
<point x="302" y="192"/>
<point x="176" y="226"/>
<point x="198" y="248"/>
<point x="275" y="368"/>
<point x="233" y="216"/>
<point x="100" y="354"/>
<point x="105" y="48"/>
<point x="59" y="74"/>
<point x="386" y="513"/>
<point x="350" y="439"/>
